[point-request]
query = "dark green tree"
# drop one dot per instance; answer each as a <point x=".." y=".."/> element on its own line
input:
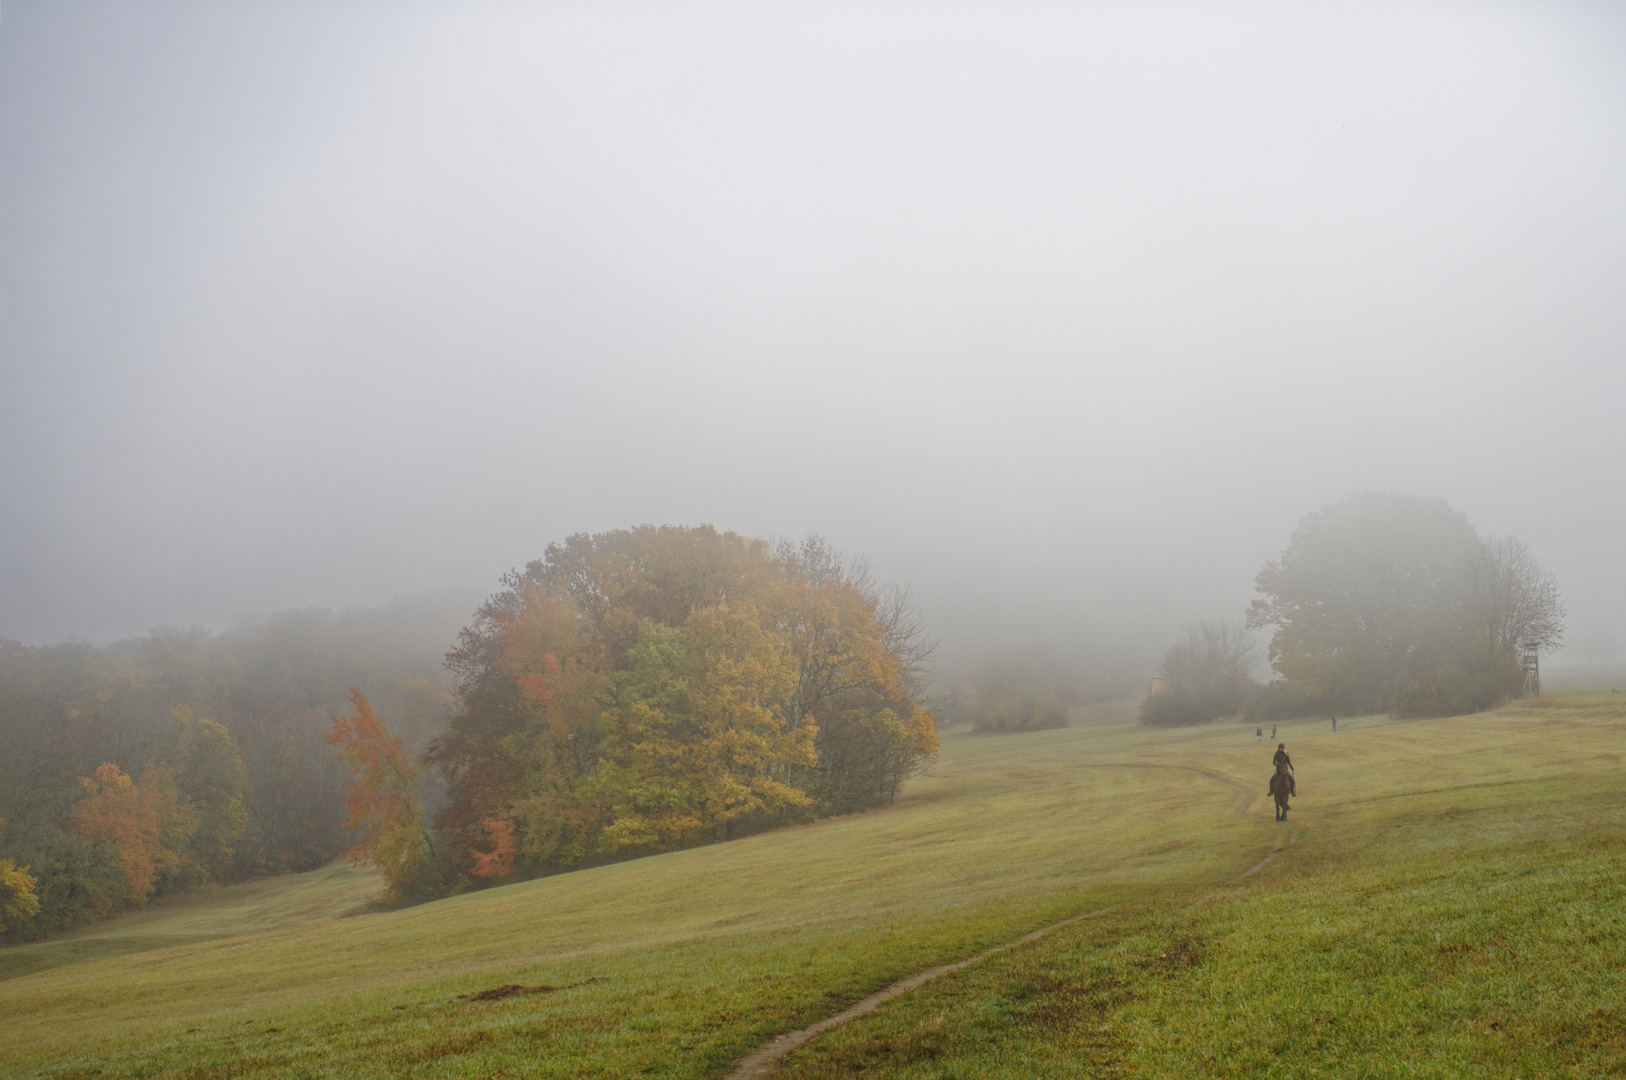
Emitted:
<point x="1385" y="602"/>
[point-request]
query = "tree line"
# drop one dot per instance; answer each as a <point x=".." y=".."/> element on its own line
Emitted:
<point x="629" y="693"/>
<point x="1380" y="603"/>
<point x="182" y="758"/>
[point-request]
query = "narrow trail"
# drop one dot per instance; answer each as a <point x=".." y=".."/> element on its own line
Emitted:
<point x="1262" y="863"/>
<point x="765" y="1060"/>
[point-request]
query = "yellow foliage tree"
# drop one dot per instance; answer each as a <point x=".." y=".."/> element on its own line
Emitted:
<point x="698" y="733"/>
<point x="173" y="865"/>
<point x="17" y="898"/>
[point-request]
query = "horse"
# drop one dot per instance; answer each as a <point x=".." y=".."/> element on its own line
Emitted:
<point x="1281" y="785"/>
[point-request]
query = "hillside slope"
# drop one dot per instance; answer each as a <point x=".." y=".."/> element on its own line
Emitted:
<point x="333" y="892"/>
<point x="678" y="965"/>
<point x="1456" y="907"/>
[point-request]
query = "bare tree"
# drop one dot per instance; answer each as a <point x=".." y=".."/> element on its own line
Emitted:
<point x="1207" y="673"/>
<point x="1509" y="600"/>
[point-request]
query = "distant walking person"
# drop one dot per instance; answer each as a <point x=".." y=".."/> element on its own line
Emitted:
<point x="1258" y="734"/>
<point x="1335" y="725"/>
<point x="1273" y="731"/>
<point x="1281" y="756"/>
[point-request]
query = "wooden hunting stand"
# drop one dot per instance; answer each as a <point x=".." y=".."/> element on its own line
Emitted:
<point x="1532" y="669"/>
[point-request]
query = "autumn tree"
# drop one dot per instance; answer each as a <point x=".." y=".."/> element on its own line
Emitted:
<point x="861" y="657"/>
<point x="525" y="733"/>
<point x="125" y="821"/>
<point x="381" y="803"/>
<point x="657" y="687"/>
<point x="498" y="863"/>
<point x="17" y="893"/>
<point x="177" y="826"/>
<point x="697" y="741"/>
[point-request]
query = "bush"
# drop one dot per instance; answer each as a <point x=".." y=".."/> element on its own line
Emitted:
<point x="1017" y="690"/>
<point x="1022" y="712"/>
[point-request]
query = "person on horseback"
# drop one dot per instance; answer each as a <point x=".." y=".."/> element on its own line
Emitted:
<point x="1280" y="759"/>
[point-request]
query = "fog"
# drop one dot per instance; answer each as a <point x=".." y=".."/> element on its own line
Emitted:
<point x="1062" y="315"/>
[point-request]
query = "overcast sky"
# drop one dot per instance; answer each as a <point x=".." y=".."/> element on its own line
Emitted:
<point x="1061" y="314"/>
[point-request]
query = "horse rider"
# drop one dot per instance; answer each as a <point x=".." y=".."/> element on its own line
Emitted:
<point x="1281" y="756"/>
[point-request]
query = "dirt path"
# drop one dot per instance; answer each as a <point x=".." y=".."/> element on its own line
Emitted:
<point x="1293" y="838"/>
<point x="765" y="1060"/>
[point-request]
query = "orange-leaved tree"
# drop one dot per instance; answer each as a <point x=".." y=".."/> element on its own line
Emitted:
<point x="527" y="736"/>
<point x="17" y="899"/>
<point x="117" y="816"/>
<point x="380" y="800"/>
<point x="499" y="861"/>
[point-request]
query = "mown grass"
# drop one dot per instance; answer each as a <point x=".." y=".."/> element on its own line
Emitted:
<point x="334" y="892"/>
<point x="1499" y="833"/>
<point x="1459" y="912"/>
<point x="701" y="954"/>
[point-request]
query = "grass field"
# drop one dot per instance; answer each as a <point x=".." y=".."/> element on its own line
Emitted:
<point x="1583" y="678"/>
<point x="333" y="892"/>
<point x="1453" y="907"/>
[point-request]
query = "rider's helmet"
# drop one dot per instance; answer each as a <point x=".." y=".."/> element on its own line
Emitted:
<point x="1281" y="746"/>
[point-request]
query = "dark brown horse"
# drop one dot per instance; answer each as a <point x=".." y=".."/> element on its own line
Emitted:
<point x="1281" y="787"/>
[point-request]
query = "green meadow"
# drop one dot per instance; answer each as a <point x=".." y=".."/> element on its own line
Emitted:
<point x="1452" y="907"/>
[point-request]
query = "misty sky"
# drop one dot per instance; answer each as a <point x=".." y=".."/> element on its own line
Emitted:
<point x="1061" y="314"/>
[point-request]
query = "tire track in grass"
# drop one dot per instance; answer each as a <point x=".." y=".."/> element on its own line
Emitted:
<point x="765" y="1060"/>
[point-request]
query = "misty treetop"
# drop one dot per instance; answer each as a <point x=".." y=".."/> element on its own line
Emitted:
<point x="655" y="688"/>
<point x="1385" y="602"/>
<point x="1381" y="602"/>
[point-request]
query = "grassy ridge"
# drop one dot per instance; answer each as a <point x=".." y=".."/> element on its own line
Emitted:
<point x="1323" y="963"/>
